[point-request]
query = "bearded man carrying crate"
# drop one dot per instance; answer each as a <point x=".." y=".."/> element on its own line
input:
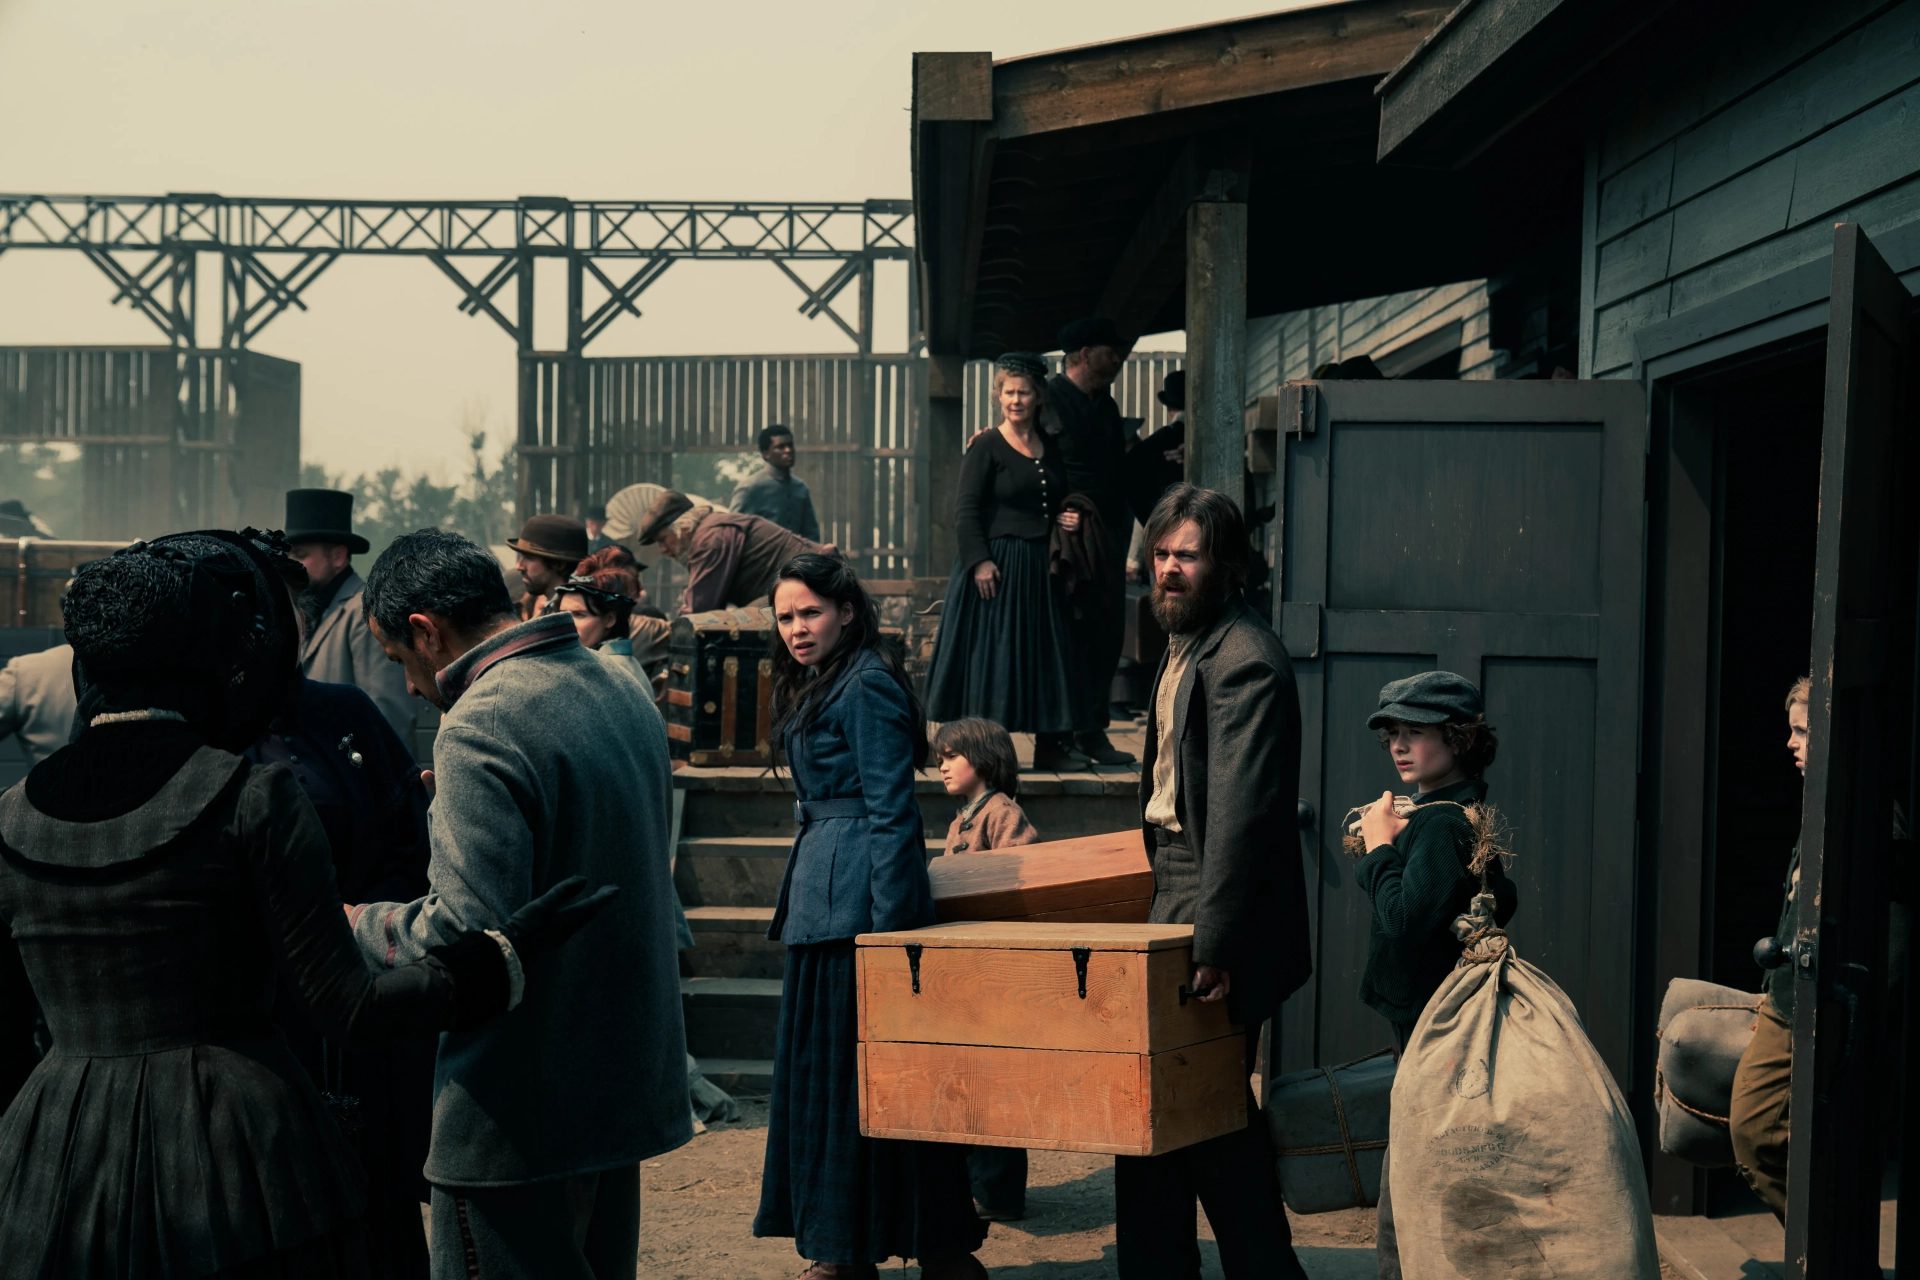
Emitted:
<point x="1217" y="795"/>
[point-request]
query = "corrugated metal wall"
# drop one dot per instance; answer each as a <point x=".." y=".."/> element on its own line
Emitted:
<point x="169" y="439"/>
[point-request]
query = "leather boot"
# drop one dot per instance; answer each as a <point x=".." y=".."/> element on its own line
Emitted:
<point x="1096" y="746"/>
<point x="1054" y="753"/>
<point x="953" y="1267"/>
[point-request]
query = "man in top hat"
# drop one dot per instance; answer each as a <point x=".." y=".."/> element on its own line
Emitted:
<point x="774" y="493"/>
<point x="339" y="649"/>
<point x="1093" y="447"/>
<point x="550" y="547"/>
<point x="731" y="557"/>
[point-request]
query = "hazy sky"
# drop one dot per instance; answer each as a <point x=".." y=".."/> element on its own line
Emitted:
<point x="482" y="99"/>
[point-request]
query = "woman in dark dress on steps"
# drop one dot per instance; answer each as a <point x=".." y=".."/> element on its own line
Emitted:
<point x="1004" y="651"/>
<point x="150" y="879"/>
<point x="853" y="735"/>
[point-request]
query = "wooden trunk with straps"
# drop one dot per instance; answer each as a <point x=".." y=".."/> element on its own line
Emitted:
<point x="719" y="686"/>
<point x="1046" y="1035"/>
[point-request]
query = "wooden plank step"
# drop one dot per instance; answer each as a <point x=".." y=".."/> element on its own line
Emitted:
<point x="732" y="942"/>
<point x="730" y="1017"/>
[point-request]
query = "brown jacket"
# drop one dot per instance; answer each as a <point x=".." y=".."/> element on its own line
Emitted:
<point x="1240" y="881"/>
<point x="998" y="823"/>
<point x="733" y="559"/>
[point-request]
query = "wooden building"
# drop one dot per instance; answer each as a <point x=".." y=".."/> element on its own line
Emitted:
<point x="1710" y="213"/>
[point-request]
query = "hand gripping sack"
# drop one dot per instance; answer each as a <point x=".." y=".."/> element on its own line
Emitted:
<point x="1329" y="1130"/>
<point x="1513" y="1151"/>
<point x="1704" y="1029"/>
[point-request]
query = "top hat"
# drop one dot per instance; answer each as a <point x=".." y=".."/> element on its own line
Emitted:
<point x="552" y="537"/>
<point x="323" y="515"/>
<point x="1173" y="391"/>
<point x="667" y="508"/>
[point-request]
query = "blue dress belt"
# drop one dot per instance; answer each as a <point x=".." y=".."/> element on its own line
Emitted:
<point x="805" y="811"/>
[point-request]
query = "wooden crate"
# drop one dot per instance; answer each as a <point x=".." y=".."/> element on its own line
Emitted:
<point x="1057" y="1036"/>
<point x="1089" y="878"/>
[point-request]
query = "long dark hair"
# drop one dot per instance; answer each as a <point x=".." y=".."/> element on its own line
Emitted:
<point x="796" y="691"/>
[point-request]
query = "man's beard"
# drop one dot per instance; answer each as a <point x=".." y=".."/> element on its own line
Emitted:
<point x="1187" y="612"/>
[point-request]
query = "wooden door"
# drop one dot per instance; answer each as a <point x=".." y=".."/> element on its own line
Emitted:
<point x="1864" y="554"/>
<point x="1494" y="530"/>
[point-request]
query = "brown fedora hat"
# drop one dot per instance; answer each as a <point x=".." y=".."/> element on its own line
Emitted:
<point x="552" y="537"/>
<point x="667" y="508"/>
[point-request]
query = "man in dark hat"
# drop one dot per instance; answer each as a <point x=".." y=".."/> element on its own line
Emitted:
<point x="338" y="648"/>
<point x="774" y="493"/>
<point x="1159" y="462"/>
<point x="550" y="547"/>
<point x="1093" y="446"/>
<point x="596" y="522"/>
<point x="731" y="557"/>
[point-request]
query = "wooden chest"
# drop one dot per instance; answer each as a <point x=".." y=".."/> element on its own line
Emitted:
<point x="1088" y="878"/>
<point x="1067" y="1037"/>
<point x="719" y="681"/>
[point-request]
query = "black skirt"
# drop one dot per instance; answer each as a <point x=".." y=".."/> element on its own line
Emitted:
<point x="844" y="1198"/>
<point x="1008" y="659"/>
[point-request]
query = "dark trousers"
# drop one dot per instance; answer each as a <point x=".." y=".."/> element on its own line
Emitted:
<point x="1100" y="630"/>
<point x="999" y="1177"/>
<point x="580" y="1228"/>
<point x="1236" y="1182"/>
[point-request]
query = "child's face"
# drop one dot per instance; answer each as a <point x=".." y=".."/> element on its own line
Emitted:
<point x="1797" y="735"/>
<point x="1420" y="754"/>
<point x="957" y="773"/>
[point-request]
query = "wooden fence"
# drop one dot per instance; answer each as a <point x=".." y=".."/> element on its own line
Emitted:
<point x="169" y="439"/>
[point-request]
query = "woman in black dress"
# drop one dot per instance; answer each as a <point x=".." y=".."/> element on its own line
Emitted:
<point x="150" y="878"/>
<point x="853" y="735"/>
<point x="1005" y="652"/>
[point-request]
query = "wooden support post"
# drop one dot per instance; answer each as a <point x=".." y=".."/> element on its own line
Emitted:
<point x="1216" y="345"/>
<point x="528" y="388"/>
<point x="944" y="424"/>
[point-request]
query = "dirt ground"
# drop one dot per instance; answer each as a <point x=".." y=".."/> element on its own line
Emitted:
<point x="697" y="1208"/>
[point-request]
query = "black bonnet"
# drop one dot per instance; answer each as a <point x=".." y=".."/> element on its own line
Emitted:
<point x="200" y="623"/>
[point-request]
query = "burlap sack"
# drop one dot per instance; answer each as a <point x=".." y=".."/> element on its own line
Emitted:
<point x="1329" y="1131"/>
<point x="1704" y="1028"/>
<point x="1513" y="1151"/>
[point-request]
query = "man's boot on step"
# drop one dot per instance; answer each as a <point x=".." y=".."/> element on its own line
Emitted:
<point x="1095" y="744"/>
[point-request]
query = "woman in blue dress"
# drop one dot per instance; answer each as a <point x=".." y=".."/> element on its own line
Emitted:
<point x="853" y="735"/>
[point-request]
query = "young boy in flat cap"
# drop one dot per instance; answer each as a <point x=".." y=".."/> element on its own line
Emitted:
<point x="1416" y="868"/>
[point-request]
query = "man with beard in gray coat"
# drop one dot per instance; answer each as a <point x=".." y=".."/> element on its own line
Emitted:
<point x="1218" y="793"/>
<point x="549" y="764"/>
<point x="338" y="648"/>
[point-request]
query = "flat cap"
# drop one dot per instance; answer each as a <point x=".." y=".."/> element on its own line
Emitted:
<point x="1090" y="331"/>
<point x="1432" y="697"/>
<point x="667" y="508"/>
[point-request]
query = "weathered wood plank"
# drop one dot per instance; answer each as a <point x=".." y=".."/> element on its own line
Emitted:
<point x="953" y="86"/>
<point x="1751" y="207"/>
<point x="1212" y="63"/>
<point x="1029" y="999"/>
<point x="1640" y="191"/>
<point x="1088" y="872"/>
<point x="1054" y="1100"/>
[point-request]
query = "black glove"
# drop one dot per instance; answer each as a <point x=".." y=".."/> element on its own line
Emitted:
<point x="482" y="984"/>
<point x="556" y="915"/>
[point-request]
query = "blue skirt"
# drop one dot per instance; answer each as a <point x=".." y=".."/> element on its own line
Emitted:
<point x="844" y="1198"/>
<point x="1008" y="659"/>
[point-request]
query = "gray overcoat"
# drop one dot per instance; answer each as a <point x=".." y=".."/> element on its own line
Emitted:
<point x="342" y="650"/>
<point x="1240" y="883"/>
<point x="37" y="701"/>
<point x="550" y="764"/>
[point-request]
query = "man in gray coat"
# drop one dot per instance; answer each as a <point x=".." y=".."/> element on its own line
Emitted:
<point x="37" y="701"/>
<point x="1218" y="792"/>
<point x="774" y="494"/>
<point x="549" y="764"/>
<point x="339" y="649"/>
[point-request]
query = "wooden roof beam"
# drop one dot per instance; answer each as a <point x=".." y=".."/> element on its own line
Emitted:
<point x="1211" y="63"/>
<point x="1153" y="265"/>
